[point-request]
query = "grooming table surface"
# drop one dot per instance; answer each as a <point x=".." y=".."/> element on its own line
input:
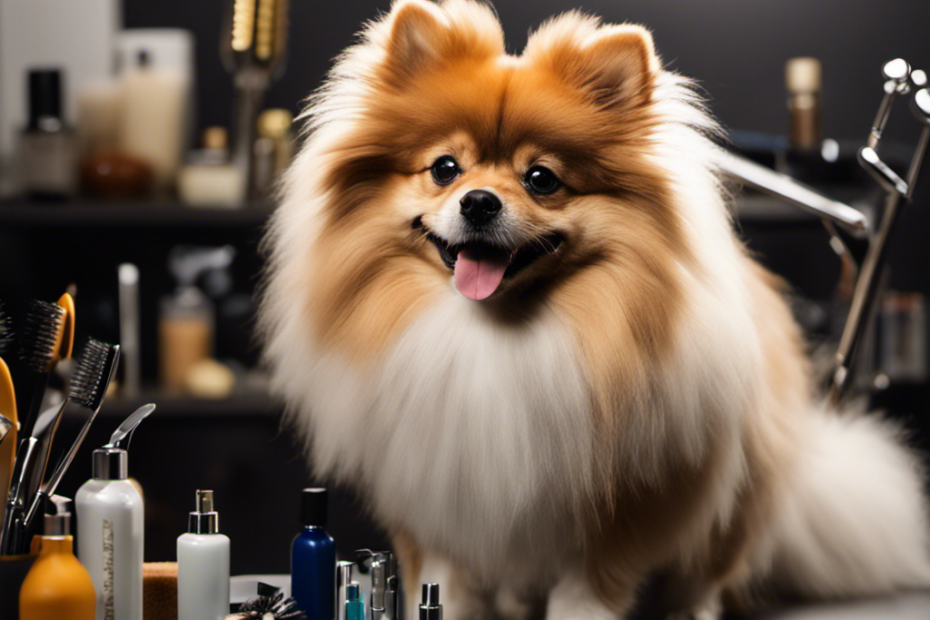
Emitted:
<point x="909" y="606"/>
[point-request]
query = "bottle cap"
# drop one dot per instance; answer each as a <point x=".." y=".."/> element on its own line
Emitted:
<point x="275" y="123"/>
<point x="110" y="464"/>
<point x="44" y="96"/>
<point x="204" y="520"/>
<point x="353" y="592"/>
<point x="215" y="138"/>
<point x="430" y="609"/>
<point x="313" y="507"/>
<point x="802" y="75"/>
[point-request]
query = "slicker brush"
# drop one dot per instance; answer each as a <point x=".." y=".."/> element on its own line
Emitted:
<point x="93" y="373"/>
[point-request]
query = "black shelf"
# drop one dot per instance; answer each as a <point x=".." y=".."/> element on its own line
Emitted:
<point x="169" y="214"/>
<point x="248" y="404"/>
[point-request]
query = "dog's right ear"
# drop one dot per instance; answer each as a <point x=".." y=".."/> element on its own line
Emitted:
<point x="418" y="38"/>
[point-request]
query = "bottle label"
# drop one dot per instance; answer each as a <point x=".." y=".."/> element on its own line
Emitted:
<point x="109" y="612"/>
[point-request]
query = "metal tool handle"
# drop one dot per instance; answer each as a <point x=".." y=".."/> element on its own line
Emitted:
<point x="759" y="177"/>
<point x="27" y="456"/>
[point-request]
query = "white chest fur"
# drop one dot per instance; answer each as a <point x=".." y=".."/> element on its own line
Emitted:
<point x="474" y="434"/>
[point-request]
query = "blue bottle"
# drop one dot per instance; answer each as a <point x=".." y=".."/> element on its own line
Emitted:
<point x="313" y="560"/>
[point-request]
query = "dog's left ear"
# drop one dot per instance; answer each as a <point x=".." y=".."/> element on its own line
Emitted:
<point x="617" y="69"/>
<point x="423" y="35"/>
<point x="417" y="38"/>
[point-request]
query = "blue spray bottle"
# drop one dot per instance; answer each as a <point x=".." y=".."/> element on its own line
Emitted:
<point x="313" y="559"/>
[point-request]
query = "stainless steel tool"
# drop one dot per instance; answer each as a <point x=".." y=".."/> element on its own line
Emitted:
<point x="757" y="176"/>
<point x="899" y="80"/>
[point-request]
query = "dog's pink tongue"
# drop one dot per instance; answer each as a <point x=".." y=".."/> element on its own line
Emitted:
<point x="478" y="274"/>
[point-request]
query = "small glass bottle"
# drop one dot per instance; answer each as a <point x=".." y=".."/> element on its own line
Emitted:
<point x="313" y="559"/>
<point x="355" y="607"/>
<point x="47" y="146"/>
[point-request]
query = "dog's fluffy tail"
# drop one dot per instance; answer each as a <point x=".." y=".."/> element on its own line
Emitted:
<point x="854" y="520"/>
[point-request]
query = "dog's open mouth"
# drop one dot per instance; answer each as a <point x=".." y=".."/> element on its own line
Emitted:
<point x="480" y="268"/>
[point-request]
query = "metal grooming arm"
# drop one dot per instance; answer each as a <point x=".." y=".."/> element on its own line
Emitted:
<point x="757" y="176"/>
<point x="899" y="80"/>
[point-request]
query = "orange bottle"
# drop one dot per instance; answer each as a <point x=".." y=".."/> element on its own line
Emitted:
<point x="57" y="587"/>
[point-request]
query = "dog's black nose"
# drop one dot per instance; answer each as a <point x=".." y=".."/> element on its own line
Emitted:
<point x="479" y="206"/>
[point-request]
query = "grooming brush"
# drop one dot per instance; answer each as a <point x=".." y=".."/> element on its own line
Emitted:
<point x="89" y="383"/>
<point x="274" y="607"/>
<point x="40" y="338"/>
<point x="46" y="337"/>
<point x="252" y="48"/>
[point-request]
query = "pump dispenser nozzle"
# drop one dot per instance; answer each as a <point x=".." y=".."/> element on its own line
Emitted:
<point x="204" y="520"/>
<point x="58" y="516"/>
<point x="111" y="462"/>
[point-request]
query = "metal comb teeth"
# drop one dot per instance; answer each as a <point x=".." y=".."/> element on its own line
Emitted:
<point x="40" y="334"/>
<point x="93" y="373"/>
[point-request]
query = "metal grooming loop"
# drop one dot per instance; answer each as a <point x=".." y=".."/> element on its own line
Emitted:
<point x="900" y="81"/>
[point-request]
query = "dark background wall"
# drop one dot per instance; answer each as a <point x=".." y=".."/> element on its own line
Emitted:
<point x="735" y="48"/>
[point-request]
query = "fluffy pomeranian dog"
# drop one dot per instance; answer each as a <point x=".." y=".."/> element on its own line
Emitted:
<point x="506" y="303"/>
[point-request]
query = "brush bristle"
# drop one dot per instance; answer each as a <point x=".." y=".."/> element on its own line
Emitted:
<point x="92" y="373"/>
<point x="39" y="336"/>
<point x="279" y="607"/>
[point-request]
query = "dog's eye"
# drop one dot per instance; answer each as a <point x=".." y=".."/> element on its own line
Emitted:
<point x="541" y="180"/>
<point x="445" y="169"/>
